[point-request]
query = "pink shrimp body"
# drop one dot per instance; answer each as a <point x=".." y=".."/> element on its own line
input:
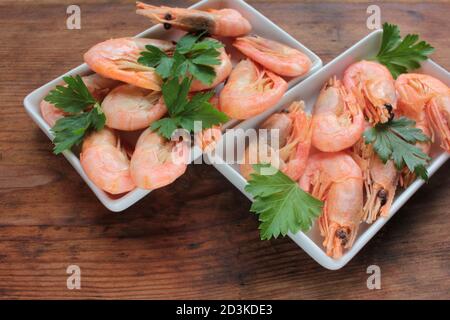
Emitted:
<point x="157" y="162"/>
<point x="224" y="22"/>
<point x="130" y="108"/>
<point x="274" y="56"/>
<point x="222" y="70"/>
<point x="373" y="86"/>
<point x="117" y="59"/>
<point x="106" y="163"/>
<point x="338" y="122"/>
<point x="98" y="86"/>
<point x="294" y="143"/>
<point x="336" y="179"/>
<point x="251" y="91"/>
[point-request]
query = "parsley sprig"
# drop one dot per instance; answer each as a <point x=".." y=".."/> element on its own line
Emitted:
<point x="74" y="99"/>
<point x="280" y="204"/>
<point x="192" y="55"/>
<point x="398" y="55"/>
<point x="396" y="140"/>
<point x="183" y="112"/>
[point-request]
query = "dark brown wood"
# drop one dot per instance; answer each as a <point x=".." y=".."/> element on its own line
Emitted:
<point x="195" y="238"/>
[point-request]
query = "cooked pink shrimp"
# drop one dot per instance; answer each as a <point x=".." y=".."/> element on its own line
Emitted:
<point x="106" y="163"/>
<point x="224" y="22"/>
<point x="131" y="108"/>
<point x="426" y="100"/>
<point x="336" y="179"/>
<point x="117" y="59"/>
<point x="380" y="181"/>
<point x="338" y="122"/>
<point x="294" y="143"/>
<point x="373" y="86"/>
<point x="157" y="162"/>
<point x="222" y="70"/>
<point x="98" y="86"/>
<point x="415" y="90"/>
<point x="274" y="56"/>
<point x="251" y="91"/>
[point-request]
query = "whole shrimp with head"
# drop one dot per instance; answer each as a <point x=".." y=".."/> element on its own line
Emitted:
<point x="118" y="59"/>
<point x="374" y="89"/>
<point x="224" y="22"/>
<point x="250" y="90"/>
<point x="335" y="178"/>
<point x="97" y="85"/>
<point x="106" y="163"/>
<point x="415" y="91"/>
<point x="131" y="108"/>
<point x="426" y="100"/>
<point x="294" y="142"/>
<point x="338" y="122"/>
<point x="274" y="56"/>
<point x="157" y="162"/>
<point x="380" y="181"/>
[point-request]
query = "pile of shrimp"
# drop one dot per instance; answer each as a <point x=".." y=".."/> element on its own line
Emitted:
<point x="325" y="152"/>
<point x="131" y="99"/>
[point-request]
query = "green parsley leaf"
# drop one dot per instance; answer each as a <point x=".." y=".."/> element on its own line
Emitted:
<point x="192" y="55"/>
<point x="183" y="112"/>
<point x="400" y="56"/>
<point x="396" y="140"/>
<point x="74" y="99"/>
<point x="280" y="204"/>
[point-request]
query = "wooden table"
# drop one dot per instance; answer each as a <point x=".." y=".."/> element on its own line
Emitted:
<point x="195" y="238"/>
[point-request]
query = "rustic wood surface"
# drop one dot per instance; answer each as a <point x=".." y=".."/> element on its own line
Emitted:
<point x="195" y="238"/>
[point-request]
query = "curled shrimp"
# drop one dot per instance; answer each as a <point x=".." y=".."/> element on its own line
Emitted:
<point x="274" y="56"/>
<point x="117" y="59"/>
<point x="224" y="22"/>
<point x="130" y="108"/>
<point x="106" y="163"/>
<point x="380" y="181"/>
<point x="426" y="100"/>
<point x="97" y="85"/>
<point x="294" y="142"/>
<point x="250" y="90"/>
<point x="373" y="86"/>
<point x="336" y="179"/>
<point x="338" y="122"/>
<point x="222" y="70"/>
<point x="157" y="162"/>
<point x="415" y="93"/>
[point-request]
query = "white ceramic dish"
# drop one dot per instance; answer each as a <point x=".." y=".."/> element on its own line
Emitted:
<point x="261" y="26"/>
<point x="308" y="91"/>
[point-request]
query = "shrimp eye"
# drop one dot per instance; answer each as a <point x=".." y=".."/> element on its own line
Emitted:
<point x="168" y="16"/>
<point x="342" y="235"/>
<point x="382" y="194"/>
<point x="389" y="108"/>
<point x="167" y="26"/>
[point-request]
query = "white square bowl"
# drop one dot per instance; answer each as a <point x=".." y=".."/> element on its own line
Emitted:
<point x="261" y="26"/>
<point x="308" y="91"/>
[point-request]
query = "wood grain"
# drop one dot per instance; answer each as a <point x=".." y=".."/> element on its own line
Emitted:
<point x="195" y="238"/>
